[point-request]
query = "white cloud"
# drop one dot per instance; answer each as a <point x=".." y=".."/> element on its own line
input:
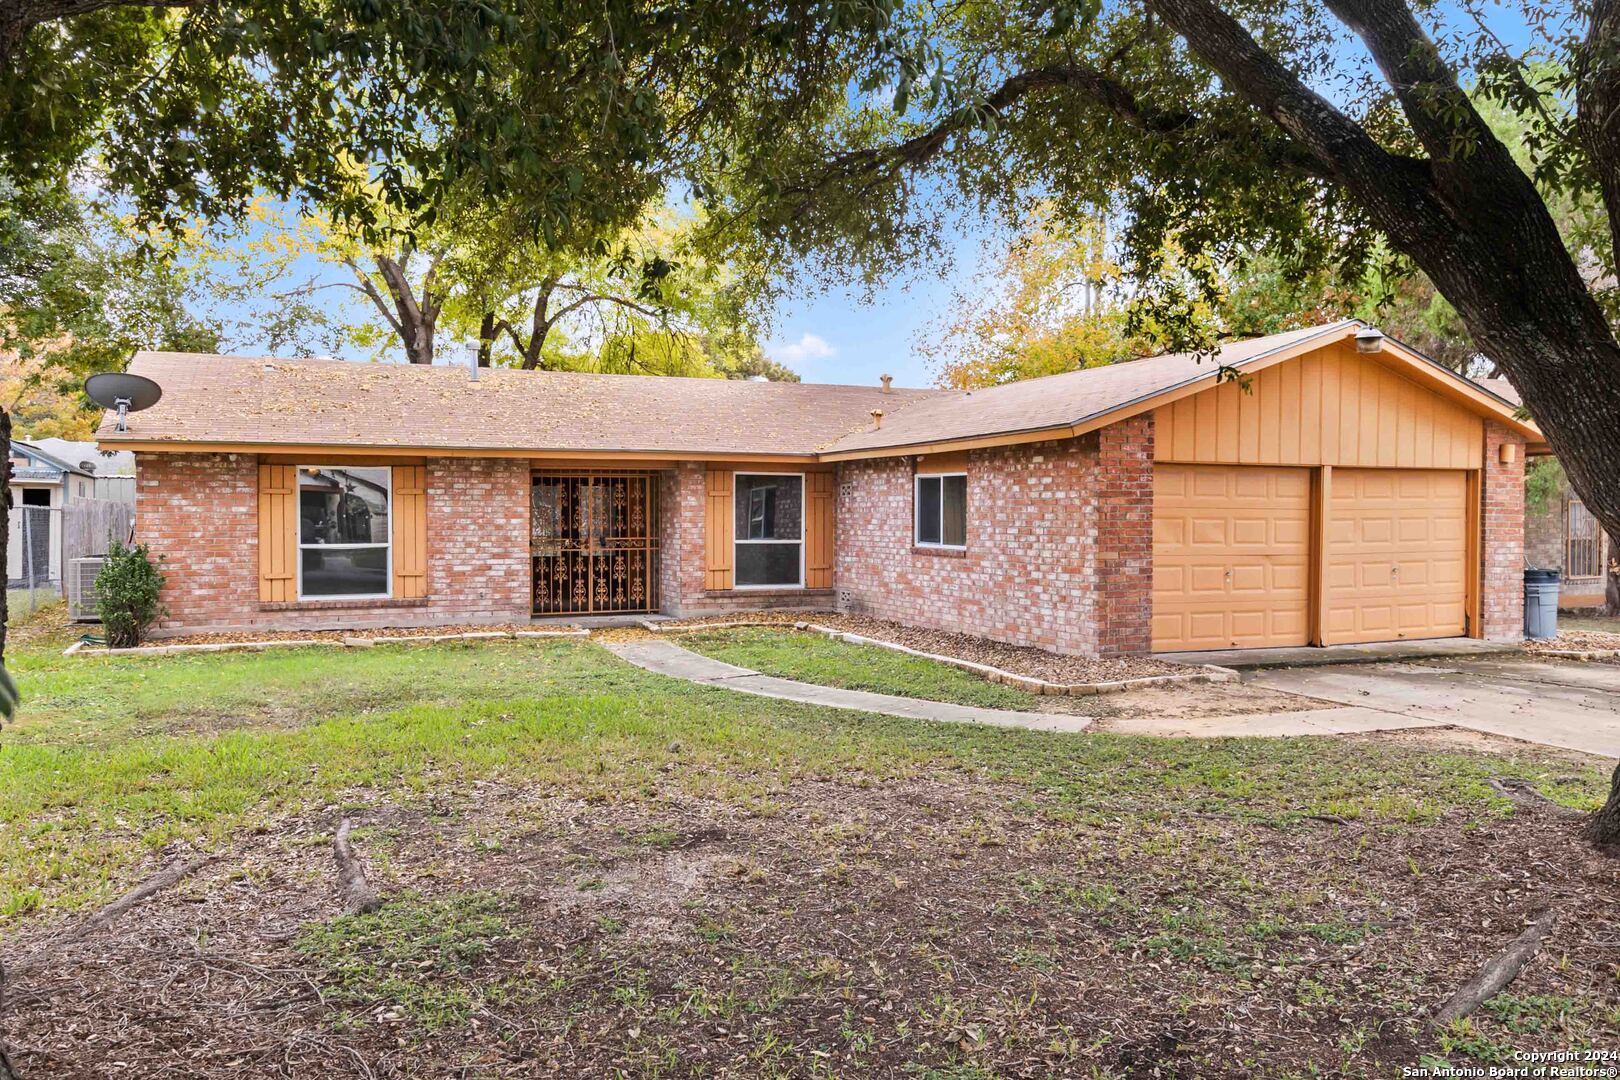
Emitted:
<point x="808" y="347"/>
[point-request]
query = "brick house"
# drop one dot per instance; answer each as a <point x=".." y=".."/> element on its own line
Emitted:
<point x="1560" y="533"/>
<point x="1336" y="489"/>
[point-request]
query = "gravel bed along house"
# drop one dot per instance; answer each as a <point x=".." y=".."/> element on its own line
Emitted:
<point x="1577" y="641"/>
<point x="1020" y="660"/>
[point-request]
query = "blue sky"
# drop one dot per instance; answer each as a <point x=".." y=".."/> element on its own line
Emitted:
<point x="850" y="334"/>
<point x="854" y="335"/>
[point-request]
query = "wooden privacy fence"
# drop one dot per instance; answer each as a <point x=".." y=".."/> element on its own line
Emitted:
<point x="88" y="525"/>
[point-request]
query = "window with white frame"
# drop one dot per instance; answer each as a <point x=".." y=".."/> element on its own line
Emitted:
<point x="343" y="531"/>
<point x="941" y="506"/>
<point x="769" y="536"/>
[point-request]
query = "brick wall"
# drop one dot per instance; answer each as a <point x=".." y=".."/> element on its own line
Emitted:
<point x="1124" y="487"/>
<point x="683" y="554"/>
<point x="1041" y="517"/>
<point x="199" y="513"/>
<point x="1544" y="531"/>
<point x="1502" y="577"/>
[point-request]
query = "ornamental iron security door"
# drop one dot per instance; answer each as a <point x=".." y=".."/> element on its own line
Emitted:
<point x="593" y="537"/>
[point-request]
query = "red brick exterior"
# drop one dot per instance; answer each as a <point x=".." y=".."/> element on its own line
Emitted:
<point x="1502" y="519"/>
<point x="1124" y="488"/>
<point x="682" y="554"/>
<point x="199" y="514"/>
<point x="1059" y="545"/>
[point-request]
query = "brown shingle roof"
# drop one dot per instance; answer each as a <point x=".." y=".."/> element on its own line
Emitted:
<point x="339" y="403"/>
<point x="1063" y="400"/>
<point x="226" y="399"/>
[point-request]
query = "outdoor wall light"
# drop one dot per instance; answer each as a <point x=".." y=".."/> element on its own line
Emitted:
<point x="1370" y="341"/>
<point x="1507" y="453"/>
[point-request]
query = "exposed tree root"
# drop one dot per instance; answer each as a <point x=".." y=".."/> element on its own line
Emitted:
<point x="165" y="878"/>
<point x="359" y="897"/>
<point x="1503" y="968"/>
<point x="1524" y="793"/>
<point x="1331" y="819"/>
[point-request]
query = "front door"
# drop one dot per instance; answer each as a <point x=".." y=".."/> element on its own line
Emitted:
<point x="594" y="542"/>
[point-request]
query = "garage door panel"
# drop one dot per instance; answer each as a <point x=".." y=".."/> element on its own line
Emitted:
<point x="1230" y="556"/>
<point x="1396" y="553"/>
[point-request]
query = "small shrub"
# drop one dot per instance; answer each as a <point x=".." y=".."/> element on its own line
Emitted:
<point x="127" y="594"/>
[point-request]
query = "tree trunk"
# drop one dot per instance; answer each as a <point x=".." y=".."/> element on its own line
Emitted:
<point x="7" y="1071"/>
<point x="414" y="319"/>
<point x="5" y="534"/>
<point x="487" y="329"/>
<point x="1611" y="576"/>
<point x="1605" y="826"/>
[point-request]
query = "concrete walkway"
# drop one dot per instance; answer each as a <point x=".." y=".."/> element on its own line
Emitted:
<point x="1329" y="721"/>
<point x="1556" y="703"/>
<point x="1373" y="653"/>
<point x="666" y="658"/>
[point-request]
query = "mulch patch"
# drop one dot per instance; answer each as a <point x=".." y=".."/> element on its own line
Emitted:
<point x="947" y="922"/>
<point x="1018" y="659"/>
<point x="375" y="634"/>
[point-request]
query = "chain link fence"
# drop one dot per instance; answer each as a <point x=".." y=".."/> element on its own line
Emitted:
<point x="45" y="541"/>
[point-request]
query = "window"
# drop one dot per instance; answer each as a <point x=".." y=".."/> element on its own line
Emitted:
<point x="770" y="530"/>
<point x="941" y="501"/>
<point x="1583" y="557"/>
<point x="343" y="529"/>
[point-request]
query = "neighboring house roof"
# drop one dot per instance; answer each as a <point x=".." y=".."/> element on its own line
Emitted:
<point x="43" y="464"/>
<point x="88" y="457"/>
<point x="1502" y="389"/>
<point x="223" y="399"/>
<point x="251" y="403"/>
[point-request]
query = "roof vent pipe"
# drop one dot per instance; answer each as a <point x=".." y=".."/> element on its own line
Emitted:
<point x="472" y="361"/>
<point x="877" y="419"/>
<point x="885" y="380"/>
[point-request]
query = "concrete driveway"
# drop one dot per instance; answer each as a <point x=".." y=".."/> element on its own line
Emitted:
<point x="1554" y="702"/>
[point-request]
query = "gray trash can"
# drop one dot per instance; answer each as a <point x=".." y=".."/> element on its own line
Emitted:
<point x="1540" y="604"/>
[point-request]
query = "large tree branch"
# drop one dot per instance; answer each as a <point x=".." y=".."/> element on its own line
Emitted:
<point x="1101" y="89"/>
<point x="1597" y="100"/>
<point x="1464" y="152"/>
<point x="18" y="17"/>
<point x="1397" y="191"/>
<point x="365" y="285"/>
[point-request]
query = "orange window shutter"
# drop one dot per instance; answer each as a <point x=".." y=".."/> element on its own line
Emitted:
<point x="717" y="529"/>
<point x="410" y="531"/>
<point x="820" y="529"/>
<point x="278" y="533"/>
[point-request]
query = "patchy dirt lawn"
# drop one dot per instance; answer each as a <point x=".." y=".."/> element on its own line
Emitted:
<point x="591" y="871"/>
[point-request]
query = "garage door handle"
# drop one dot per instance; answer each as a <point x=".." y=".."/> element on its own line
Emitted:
<point x="1229" y="575"/>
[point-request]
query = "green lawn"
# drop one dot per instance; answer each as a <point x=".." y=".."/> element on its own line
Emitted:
<point x="815" y="658"/>
<point x="591" y="869"/>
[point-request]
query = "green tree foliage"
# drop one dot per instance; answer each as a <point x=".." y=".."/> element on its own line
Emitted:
<point x="574" y="114"/>
<point x="1056" y="300"/>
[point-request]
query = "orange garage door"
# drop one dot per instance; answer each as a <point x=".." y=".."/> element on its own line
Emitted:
<point x="1231" y="556"/>
<point x="1396" y="555"/>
